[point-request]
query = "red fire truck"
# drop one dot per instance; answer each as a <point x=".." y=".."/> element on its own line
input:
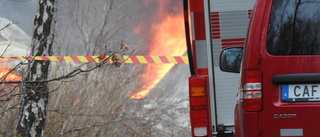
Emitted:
<point x="275" y="47"/>
<point x="212" y="25"/>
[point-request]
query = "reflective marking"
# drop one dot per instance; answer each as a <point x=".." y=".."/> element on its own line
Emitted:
<point x="128" y="59"/>
<point x="201" y="51"/>
<point x="291" y="132"/>
<point x="192" y="26"/>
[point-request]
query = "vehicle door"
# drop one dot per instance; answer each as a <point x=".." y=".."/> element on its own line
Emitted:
<point x="290" y="64"/>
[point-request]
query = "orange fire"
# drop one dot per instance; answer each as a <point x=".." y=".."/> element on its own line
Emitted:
<point x="4" y="72"/>
<point x="9" y="77"/>
<point x="168" y="39"/>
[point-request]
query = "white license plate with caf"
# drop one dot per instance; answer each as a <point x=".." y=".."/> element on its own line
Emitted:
<point x="300" y="92"/>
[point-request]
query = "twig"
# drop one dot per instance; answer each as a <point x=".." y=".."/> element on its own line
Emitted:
<point x="129" y="55"/>
<point x="5" y="50"/>
<point x="9" y="24"/>
<point x="69" y="75"/>
<point x="104" y="123"/>
<point x="73" y="73"/>
<point x="6" y="110"/>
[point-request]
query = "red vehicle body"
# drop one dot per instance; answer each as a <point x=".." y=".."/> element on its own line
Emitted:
<point x="279" y="66"/>
<point x="280" y="69"/>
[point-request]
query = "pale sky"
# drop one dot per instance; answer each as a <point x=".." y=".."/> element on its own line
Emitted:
<point x="21" y="12"/>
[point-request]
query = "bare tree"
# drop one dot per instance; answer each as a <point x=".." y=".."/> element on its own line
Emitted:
<point x="35" y="100"/>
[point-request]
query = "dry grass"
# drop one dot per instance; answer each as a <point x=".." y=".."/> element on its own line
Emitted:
<point x="98" y="104"/>
<point x="9" y="112"/>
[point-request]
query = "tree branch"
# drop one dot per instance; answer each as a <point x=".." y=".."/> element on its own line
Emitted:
<point x="73" y="73"/>
<point x="8" y="25"/>
<point x="105" y="123"/>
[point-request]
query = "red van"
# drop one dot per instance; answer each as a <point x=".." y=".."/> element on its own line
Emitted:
<point x="279" y="92"/>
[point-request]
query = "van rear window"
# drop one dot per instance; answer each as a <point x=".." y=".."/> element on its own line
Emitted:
<point x="294" y="27"/>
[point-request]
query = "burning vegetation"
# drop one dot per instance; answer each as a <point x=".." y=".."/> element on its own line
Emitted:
<point x="167" y="39"/>
<point x="102" y="103"/>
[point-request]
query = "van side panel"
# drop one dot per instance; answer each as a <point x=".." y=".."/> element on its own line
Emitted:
<point x="251" y="56"/>
<point x="250" y="126"/>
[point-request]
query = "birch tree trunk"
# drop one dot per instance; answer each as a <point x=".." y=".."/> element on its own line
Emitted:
<point x="34" y="101"/>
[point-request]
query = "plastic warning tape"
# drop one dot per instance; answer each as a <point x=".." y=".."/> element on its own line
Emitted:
<point x="128" y="59"/>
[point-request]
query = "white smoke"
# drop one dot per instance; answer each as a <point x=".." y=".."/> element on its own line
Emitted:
<point x="13" y="42"/>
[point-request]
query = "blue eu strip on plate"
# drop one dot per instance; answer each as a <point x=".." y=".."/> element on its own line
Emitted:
<point x="285" y="91"/>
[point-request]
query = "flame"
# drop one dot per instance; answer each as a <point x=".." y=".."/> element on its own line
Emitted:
<point x="9" y="77"/>
<point x="7" y="74"/>
<point x="4" y="70"/>
<point x="168" y="40"/>
<point x="75" y="101"/>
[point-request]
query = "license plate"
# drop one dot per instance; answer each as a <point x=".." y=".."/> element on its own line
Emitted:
<point x="301" y="92"/>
